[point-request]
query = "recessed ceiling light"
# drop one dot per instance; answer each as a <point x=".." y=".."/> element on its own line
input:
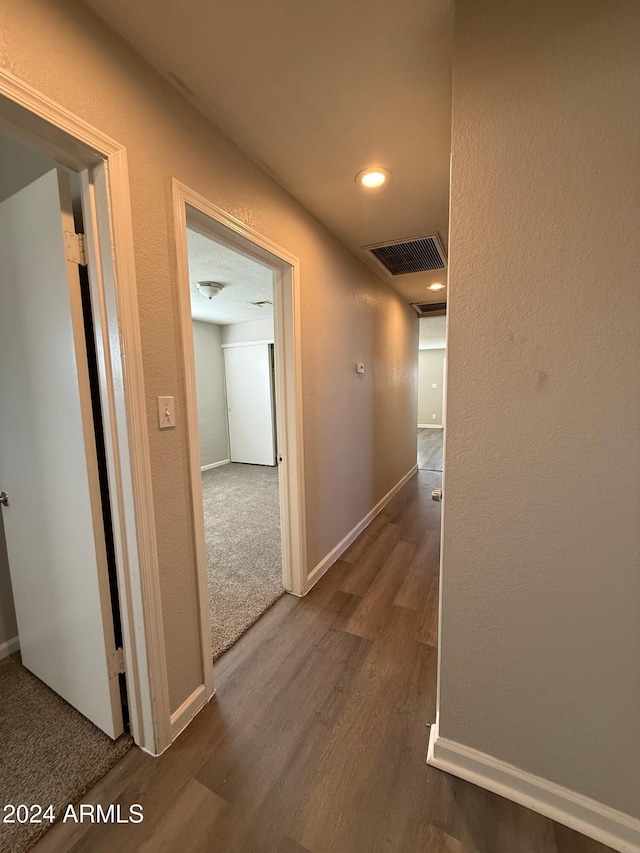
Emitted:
<point x="372" y="178"/>
<point x="437" y="285"/>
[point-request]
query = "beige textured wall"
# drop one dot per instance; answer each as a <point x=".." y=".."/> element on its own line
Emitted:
<point x="212" y="401"/>
<point x="541" y="550"/>
<point x="8" y="627"/>
<point x="359" y="430"/>
<point x="430" y="371"/>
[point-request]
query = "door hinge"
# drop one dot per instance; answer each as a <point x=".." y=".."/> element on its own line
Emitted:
<point x="76" y="248"/>
<point x="115" y="663"/>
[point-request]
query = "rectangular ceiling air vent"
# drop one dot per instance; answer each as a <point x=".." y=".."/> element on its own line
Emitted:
<point x="429" y="309"/>
<point x="408" y="256"/>
<point x="262" y="303"/>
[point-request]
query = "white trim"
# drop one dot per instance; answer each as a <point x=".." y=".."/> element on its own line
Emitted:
<point x="181" y="718"/>
<point x="9" y="647"/>
<point x="353" y="534"/>
<point x="246" y="344"/>
<point x="288" y="356"/>
<point x="286" y="311"/>
<point x="214" y="465"/>
<point x="191" y="418"/>
<point x="109" y="232"/>
<point x="106" y="203"/>
<point x="591" y="818"/>
<point x="430" y="426"/>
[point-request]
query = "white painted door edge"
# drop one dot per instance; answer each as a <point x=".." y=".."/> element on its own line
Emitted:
<point x="591" y="818"/>
<point x="102" y="163"/>
<point x="286" y="308"/>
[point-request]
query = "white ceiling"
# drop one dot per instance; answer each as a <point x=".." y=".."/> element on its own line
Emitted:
<point x="244" y="279"/>
<point x="315" y="92"/>
<point x="433" y="331"/>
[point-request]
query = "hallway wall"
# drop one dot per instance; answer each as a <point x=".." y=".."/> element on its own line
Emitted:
<point x="540" y="637"/>
<point x="359" y="431"/>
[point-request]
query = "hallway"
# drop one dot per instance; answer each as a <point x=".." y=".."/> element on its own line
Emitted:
<point x="316" y="740"/>
<point x="430" y="449"/>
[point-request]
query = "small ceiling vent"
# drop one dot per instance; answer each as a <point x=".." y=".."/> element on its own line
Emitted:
<point x="262" y="303"/>
<point x="429" y="309"/>
<point x="408" y="256"/>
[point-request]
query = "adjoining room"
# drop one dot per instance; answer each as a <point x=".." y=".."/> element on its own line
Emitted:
<point x="233" y="338"/>
<point x="431" y="398"/>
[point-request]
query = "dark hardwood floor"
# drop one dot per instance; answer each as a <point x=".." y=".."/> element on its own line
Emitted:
<point x="317" y="737"/>
<point x="430" y="449"/>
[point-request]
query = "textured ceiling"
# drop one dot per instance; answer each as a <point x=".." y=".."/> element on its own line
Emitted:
<point x="315" y="92"/>
<point x="244" y="280"/>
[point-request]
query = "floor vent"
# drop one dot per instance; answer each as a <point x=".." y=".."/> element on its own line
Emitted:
<point x="408" y="256"/>
<point x="429" y="309"/>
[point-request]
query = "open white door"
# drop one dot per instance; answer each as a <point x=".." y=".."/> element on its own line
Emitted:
<point x="48" y="466"/>
<point x="250" y="409"/>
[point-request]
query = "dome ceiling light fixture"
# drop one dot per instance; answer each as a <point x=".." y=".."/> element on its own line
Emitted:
<point x="209" y="288"/>
<point x="373" y="178"/>
<point x="437" y="285"/>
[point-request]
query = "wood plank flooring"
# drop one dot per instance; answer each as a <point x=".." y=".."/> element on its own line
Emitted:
<point x="316" y="739"/>
<point x="430" y="449"/>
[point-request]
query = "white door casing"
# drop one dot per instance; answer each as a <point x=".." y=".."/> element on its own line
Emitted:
<point x="48" y="465"/>
<point x="191" y="208"/>
<point x="250" y="406"/>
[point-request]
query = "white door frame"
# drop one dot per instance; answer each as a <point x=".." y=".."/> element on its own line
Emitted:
<point x="189" y="206"/>
<point x="102" y="163"/>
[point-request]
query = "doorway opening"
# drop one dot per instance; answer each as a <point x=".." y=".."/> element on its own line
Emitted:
<point x="431" y="392"/>
<point x="239" y="310"/>
<point x="63" y="697"/>
<point x="233" y="337"/>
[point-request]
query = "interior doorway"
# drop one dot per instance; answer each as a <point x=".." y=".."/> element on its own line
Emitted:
<point x="239" y="309"/>
<point x="431" y="392"/>
<point x="63" y="699"/>
<point x="234" y="340"/>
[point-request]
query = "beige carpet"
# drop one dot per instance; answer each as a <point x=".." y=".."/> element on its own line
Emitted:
<point x="49" y="753"/>
<point x="244" y="556"/>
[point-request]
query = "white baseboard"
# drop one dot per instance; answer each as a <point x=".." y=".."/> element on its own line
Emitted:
<point x="8" y="648"/>
<point x="181" y="718"/>
<point x="591" y="818"/>
<point x="430" y="426"/>
<point x="215" y="465"/>
<point x="341" y="547"/>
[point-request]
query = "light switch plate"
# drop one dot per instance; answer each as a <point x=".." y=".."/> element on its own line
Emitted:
<point x="359" y="367"/>
<point x="166" y="413"/>
<point x="434" y="384"/>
